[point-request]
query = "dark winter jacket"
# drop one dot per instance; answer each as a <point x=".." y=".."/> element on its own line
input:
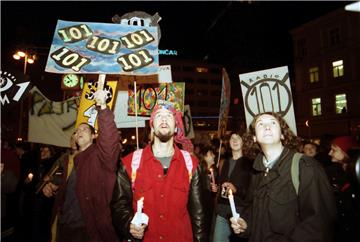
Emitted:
<point x="240" y="177"/>
<point x="96" y="175"/>
<point x="278" y="214"/>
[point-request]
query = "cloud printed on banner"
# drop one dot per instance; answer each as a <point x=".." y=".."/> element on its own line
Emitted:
<point x="103" y="63"/>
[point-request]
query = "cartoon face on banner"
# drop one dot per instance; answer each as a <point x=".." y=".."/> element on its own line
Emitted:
<point x="268" y="91"/>
<point x="87" y="110"/>
<point x="139" y="18"/>
<point x="102" y="48"/>
<point x="149" y="94"/>
<point x="12" y="86"/>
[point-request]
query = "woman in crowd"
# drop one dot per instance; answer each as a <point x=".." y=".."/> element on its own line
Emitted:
<point x="346" y="190"/>
<point x="235" y="176"/>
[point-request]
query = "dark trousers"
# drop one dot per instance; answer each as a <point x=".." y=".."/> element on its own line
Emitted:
<point x="66" y="233"/>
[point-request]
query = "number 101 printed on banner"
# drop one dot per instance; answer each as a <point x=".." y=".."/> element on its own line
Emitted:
<point x="103" y="48"/>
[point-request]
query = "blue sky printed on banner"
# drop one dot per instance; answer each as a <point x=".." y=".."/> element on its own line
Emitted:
<point x="103" y="63"/>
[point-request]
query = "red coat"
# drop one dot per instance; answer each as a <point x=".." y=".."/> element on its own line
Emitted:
<point x="95" y="179"/>
<point x="165" y="197"/>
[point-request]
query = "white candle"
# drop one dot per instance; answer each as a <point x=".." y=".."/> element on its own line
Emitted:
<point x="30" y="176"/>
<point x="212" y="175"/>
<point x="232" y="205"/>
<point x="140" y="204"/>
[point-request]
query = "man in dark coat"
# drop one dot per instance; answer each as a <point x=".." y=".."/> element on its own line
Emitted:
<point x="82" y="205"/>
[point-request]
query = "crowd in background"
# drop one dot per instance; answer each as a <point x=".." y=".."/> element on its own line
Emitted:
<point x="26" y="212"/>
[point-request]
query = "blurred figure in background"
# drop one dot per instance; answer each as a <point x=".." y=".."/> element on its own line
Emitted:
<point x="8" y="199"/>
<point x="346" y="190"/>
<point x="310" y="149"/>
<point x="209" y="176"/>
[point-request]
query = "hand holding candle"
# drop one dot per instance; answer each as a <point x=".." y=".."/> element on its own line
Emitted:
<point x="140" y="218"/>
<point x="30" y="176"/>
<point x="140" y="204"/>
<point x="212" y="175"/>
<point x="232" y="205"/>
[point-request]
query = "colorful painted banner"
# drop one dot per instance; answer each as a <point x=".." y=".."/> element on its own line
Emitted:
<point x="268" y="91"/>
<point x="51" y="122"/>
<point x="149" y="94"/>
<point x="224" y="104"/>
<point x="87" y="110"/>
<point x="188" y="124"/>
<point x="103" y="48"/>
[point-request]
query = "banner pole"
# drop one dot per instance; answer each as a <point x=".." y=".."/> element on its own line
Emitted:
<point x="218" y="162"/>
<point x="136" y="116"/>
<point x="101" y="82"/>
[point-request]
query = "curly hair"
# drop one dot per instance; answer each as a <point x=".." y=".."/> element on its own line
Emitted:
<point x="252" y="148"/>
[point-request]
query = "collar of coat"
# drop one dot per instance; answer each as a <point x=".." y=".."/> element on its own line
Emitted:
<point x="259" y="165"/>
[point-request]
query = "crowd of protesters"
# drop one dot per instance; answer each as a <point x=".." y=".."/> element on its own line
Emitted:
<point x="43" y="186"/>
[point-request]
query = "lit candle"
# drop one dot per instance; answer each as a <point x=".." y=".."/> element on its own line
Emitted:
<point x="140" y="204"/>
<point x="232" y="205"/>
<point x="30" y="176"/>
<point x="212" y="175"/>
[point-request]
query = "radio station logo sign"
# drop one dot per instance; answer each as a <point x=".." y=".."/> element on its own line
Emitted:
<point x="268" y="91"/>
<point x="12" y="86"/>
<point x="84" y="47"/>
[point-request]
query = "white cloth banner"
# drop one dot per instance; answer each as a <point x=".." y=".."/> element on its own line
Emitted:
<point x="51" y="122"/>
<point x="268" y="91"/>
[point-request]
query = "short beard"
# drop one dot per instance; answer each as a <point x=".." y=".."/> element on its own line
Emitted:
<point x="163" y="137"/>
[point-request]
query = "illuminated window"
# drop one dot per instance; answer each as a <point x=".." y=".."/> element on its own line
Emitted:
<point x="341" y="103"/>
<point x="314" y="74"/>
<point x="316" y="106"/>
<point x="202" y="69"/>
<point x="338" y="68"/>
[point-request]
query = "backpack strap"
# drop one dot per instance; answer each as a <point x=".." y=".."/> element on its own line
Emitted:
<point x="188" y="162"/>
<point x="295" y="171"/>
<point x="135" y="163"/>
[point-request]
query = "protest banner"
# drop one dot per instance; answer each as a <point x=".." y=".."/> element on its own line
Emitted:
<point x="188" y="124"/>
<point x="149" y="94"/>
<point x="103" y="48"/>
<point x="224" y="104"/>
<point x="87" y="110"/>
<point x="14" y="86"/>
<point x="51" y="122"/>
<point x="268" y="91"/>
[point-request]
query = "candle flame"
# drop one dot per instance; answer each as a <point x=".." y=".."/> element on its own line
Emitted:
<point x="230" y="192"/>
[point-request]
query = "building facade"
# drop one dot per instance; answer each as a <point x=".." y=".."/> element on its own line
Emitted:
<point x="327" y="75"/>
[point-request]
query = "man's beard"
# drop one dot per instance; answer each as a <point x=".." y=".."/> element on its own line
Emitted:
<point x="163" y="137"/>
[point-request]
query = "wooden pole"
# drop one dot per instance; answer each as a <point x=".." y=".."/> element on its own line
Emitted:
<point x="136" y="116"/>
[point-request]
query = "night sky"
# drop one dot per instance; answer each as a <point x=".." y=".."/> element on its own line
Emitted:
<point x="239" y="35"/>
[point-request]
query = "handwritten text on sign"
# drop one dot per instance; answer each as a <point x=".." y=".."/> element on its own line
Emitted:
<point x="103" y="48"/>
<point x="149" y="94"/>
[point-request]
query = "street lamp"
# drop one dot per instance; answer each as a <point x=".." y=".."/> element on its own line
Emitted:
<point x="28" y="58"/>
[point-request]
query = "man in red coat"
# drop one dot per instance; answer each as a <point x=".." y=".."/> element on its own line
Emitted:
<point x="82" y="211"/>
<point x="168" y="180"/>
